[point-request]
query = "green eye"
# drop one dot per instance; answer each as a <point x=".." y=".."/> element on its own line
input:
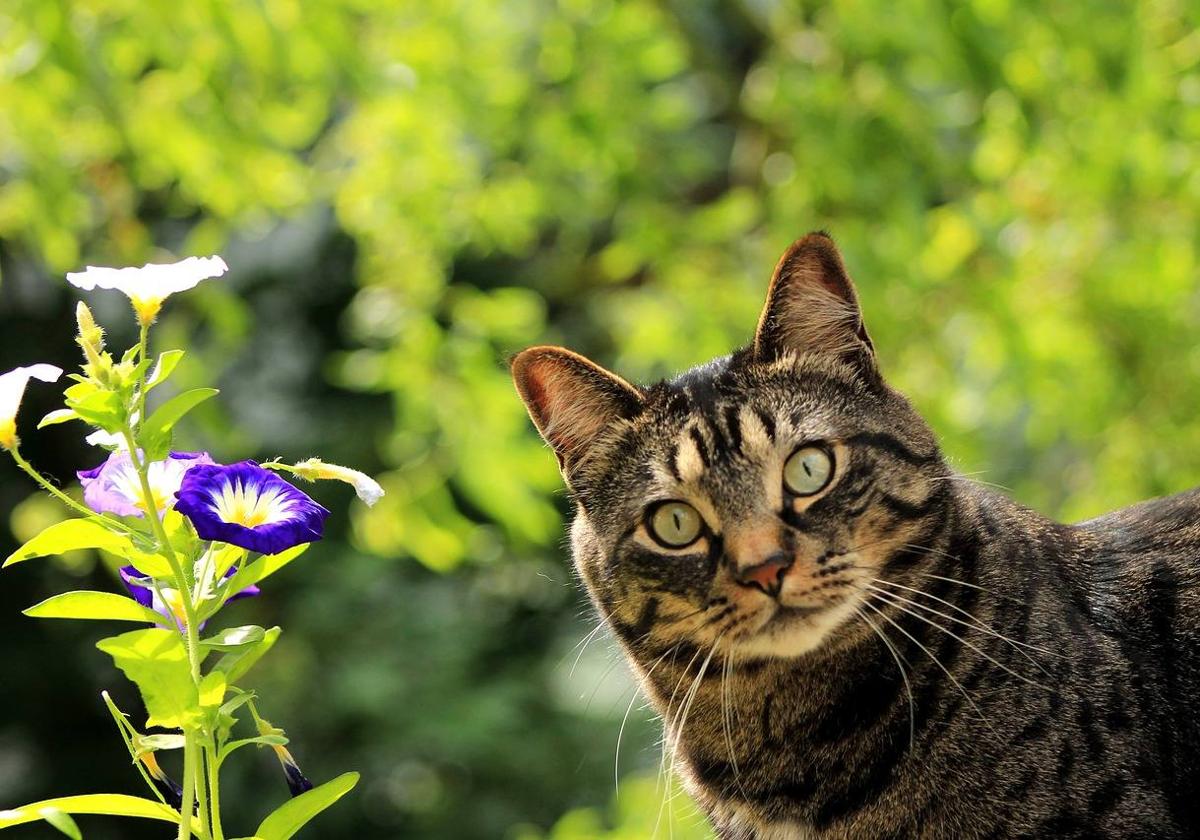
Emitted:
<point x="675" y="524"/>
<point x="808" y="470"/>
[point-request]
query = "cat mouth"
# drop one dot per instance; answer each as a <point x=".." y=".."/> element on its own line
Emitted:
<point x="786" y="615"/>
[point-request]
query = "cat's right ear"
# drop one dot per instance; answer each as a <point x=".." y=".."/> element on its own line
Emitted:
<point x="571" y="399"/>
<point x="812" y="307"/>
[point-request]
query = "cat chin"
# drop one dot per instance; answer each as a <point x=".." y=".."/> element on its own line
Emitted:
<point x="787" y="636"/>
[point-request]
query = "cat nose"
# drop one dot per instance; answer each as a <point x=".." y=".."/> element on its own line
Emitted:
<point x="766" y="575"/>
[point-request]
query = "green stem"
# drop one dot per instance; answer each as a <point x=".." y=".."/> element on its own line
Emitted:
<point x="189" y="785"/>
<point x="192" y="759"/>
<point x="202" y="788"/>
<point x="214" y="772"/>
<point x="59" y="494"/>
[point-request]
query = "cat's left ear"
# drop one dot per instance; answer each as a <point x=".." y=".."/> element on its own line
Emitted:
<point x="571" y="399"/>
<point x="812" y="308"/>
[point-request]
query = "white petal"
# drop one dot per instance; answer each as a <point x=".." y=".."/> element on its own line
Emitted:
<point x="152" y="281"/>
<point x="12" y="386"/>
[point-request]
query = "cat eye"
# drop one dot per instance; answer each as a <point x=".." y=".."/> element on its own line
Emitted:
<point x="675" y="524"/>
<point x="808" y="470"/>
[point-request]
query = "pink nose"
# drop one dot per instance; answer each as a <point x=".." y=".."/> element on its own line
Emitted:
<point x="767" y="575"/>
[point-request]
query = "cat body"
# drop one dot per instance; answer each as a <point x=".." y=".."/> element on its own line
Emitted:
<point x="844" y="638"/>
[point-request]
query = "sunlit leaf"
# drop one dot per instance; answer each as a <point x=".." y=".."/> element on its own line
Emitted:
<point x="71" y="535"/>
<point x="156" y="661"/>
<point x="234" y="638"/>
<point x="155" y="434"/>
<point x="237" y="662"/>
<point x="112" y="804"/>
<point x="290" y="817"/>
<point x="163" y="368"/>
<point x="93" y="605"/>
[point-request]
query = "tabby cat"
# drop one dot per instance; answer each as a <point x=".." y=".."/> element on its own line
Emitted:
<point x="844" y="638"/>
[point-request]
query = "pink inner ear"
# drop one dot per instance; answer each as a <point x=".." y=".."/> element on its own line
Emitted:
<point x="571" y="400"/>
<point x="811" y="305"/>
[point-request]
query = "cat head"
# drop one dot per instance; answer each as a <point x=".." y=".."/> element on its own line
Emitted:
<point x="751" y="501"/>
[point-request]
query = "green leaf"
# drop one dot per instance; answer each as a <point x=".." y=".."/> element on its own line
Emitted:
<point x="111" y="804"/>
<point x="62" y="821"/>
<point x="260" y="740"/>
<point x="264" y="567"/>
<point x="70" y="535"/>
<point x="234" y="638"/>
<point x="212" y="690"/>
<point x="155" y="435"/>
<point x="236" y="663"/>
<point x="62" y="415"/>
<point x="97" y="605"/>
<point x="165" y="366"/>
<point x="98" y="406"/>
<point x="290" y="817"/>
<point x="156" y="661"/>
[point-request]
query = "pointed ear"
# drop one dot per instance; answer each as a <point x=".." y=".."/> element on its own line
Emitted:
<point x="570" y="399"/>
<point x="812" y="308"/>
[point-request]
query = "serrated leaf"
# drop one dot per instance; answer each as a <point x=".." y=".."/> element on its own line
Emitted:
<point x="155" y="435"/>
<point x="62" y="821"/>
<point x="236" y="663"/>
<point x="93" y="605"/>
<point x="70" y="535"/>
<point x="61" y="415"/>
<point x="234" y="638"/>
<point x="164" y="367"/>
<point x="156" y="661"/>
<point x="111" y="804"/>
<point x="290" y="817"/>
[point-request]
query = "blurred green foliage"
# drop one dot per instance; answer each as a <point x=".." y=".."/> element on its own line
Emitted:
<point x="407" y="192"/>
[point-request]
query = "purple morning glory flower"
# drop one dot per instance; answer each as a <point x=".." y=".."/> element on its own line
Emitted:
<point x="114" y="487"/>
<point x="170" y="603"/>
<point x="245" y="505"/>
<point x="297" y="782"/>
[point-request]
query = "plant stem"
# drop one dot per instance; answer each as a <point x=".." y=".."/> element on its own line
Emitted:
<point x="189" y="785"/>
<point x="202" y="788"/>
<point x="59" y="494"/>
<point x="214" y="772"/>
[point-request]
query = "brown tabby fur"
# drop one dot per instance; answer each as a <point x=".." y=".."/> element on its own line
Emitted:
<point x="939" y="662"/>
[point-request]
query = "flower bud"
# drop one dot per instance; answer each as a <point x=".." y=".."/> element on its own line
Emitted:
<point x="98" y="364"/>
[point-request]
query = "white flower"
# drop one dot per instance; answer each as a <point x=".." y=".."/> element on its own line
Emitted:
<point x="367" y="488"/>
<point x="148" y="286"/>
<point x="12" y="388"/>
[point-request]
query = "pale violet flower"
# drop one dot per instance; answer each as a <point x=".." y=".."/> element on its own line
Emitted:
<point x="114" y="486"/>
<point x="12" y="388"/>
<point x="367" y="488"/>
<point x="148" y="286"/>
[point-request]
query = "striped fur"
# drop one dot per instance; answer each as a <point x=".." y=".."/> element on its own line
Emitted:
<point x="940" y="662"/>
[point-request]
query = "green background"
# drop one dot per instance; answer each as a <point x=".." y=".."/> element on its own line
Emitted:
<point x="407" y="192"/>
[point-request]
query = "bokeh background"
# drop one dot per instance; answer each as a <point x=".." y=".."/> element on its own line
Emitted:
<point x="409" y="191"/>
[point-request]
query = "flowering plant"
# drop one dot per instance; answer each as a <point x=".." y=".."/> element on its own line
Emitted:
<point x="193" y="535"/>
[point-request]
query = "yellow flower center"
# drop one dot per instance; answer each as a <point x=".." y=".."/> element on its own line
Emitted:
<point x="249" y="507"/>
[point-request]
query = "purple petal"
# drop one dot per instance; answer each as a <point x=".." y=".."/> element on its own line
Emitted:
<point x="138" y="586"/>
<point x="114" y="486"/>
<point x="245" y="505"/>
